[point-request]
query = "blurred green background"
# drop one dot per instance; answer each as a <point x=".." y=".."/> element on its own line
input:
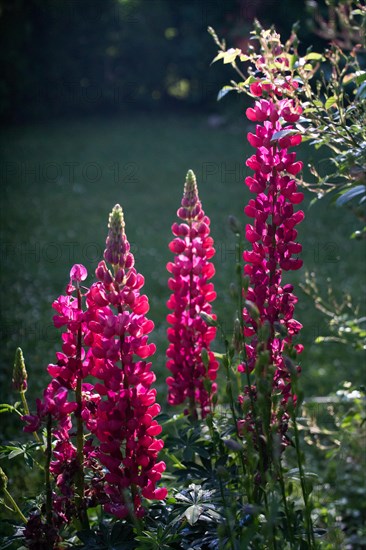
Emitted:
<point x="74" y="57"/>
<point x="113" y="101"/>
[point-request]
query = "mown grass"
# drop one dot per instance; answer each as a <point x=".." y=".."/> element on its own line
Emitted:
<point x="61" y="179"/>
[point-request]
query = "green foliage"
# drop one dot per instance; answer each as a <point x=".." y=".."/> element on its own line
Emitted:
<point x="346" y="324"/>
<point x="332" y="91"/>
<point x="334" y="430"/>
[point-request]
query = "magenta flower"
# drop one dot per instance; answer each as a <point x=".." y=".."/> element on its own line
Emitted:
<point x="123" y="420"/>
<point x="78" y="273"/>
<point x="192" y="376"/>
<point x="65" y="397"/>
<point x="273" y="245"/>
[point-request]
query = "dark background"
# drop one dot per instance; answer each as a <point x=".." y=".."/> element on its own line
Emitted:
<point x="75" y="57"/>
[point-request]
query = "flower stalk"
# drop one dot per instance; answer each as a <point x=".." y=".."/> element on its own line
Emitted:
<point x="8" y="498"/>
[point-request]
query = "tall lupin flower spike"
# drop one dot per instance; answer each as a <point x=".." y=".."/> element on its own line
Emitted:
<point x="192" y="376"/>
<point x="123" y="421"/>
<point x="274" y="249"/>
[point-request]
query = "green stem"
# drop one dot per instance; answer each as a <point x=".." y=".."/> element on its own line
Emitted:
<point x="287" y="511"/>
<point x="79" y="478"/>
<point x="135" y="520"/>
<point x="47" y="470"/>
<point x="14" y="505"/>
<point x="227" y="515"/>
<point x="26" y="411"/>
<point x="308" y="520"/>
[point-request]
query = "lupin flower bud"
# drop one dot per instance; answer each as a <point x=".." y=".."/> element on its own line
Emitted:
<point x="19" y="372"/>
<point x="3" y="480"/>
<point x="116" y="241"/>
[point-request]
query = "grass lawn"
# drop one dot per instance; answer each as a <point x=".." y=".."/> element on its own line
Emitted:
<point x="59" y="183"/>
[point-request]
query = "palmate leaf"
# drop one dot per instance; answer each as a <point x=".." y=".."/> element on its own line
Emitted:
<point x="192" y="514"/>
<point x="198" y="504"/>
<point x="17" y="449"/>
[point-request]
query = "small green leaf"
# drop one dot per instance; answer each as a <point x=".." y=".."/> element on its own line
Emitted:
<point x="250" y="80"/>
<point x="205" y="357"/>
<point x="318" y="103"/>
<point x="330" y="102"/>
<point x="218" y="355"/>
<point x="219" y="56"/>
<point x="225" y="90"/>
<point x="282" y="133"/>
<point x="15" y="453"/>
<point x="293" y="58"/>
<point x="313" y="56"/>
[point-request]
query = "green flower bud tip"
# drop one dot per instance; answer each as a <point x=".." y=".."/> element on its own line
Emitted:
<point x="190" y="189"/>
<point x="19" y="372"/>
<point x="191" y="208"/>
<point x="116" y="222"/>
<point x="116" y="232"/>
<point x="3" y="480"/>
<point x="191" y="180"/>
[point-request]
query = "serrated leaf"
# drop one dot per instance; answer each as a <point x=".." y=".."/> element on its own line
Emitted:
<point x="350" y="194"/>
